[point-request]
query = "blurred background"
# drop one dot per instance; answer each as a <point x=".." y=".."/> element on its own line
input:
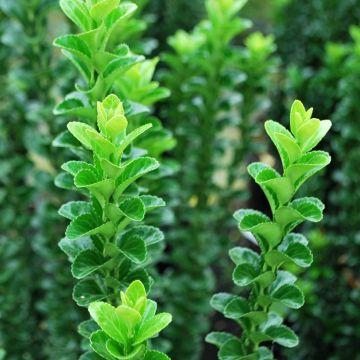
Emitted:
<point x="289" y="49"/>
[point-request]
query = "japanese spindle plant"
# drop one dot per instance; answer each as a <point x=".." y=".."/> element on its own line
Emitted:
<point x="267" y="275"/>
<point x="106" y="243"/>
<point x="217" y="84"/>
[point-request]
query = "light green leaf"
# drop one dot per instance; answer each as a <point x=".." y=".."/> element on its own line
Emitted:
<point x="246" y="274"/>
<point x="98" y="341"/>
<point x="297" y="116"/>
<point x="73" y="167"/>
<point x="73" y="44"/>
<point x="152" y="327"/>
<point x="119" y="66"/>
<point x="77" y="12"/>
<point x="133" y="170"/>
<point x="135" y="296"/>
<point x="305" y="167"/>
<point x="118" y="15"/>
<point x="278" y="190"/>
<point x="102" y="8"/>
<point x="131" y="137"/>
<point x="118" y="323"/>
<point x="312" y="132"/>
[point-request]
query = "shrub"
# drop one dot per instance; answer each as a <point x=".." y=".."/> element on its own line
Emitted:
<point x="267" y="275"/>
<point x="105" y="242"/>
<point x="206" y="72"/>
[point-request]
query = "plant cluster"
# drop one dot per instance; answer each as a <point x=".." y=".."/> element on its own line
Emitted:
<point x="214" y="126"/>
<point x="106" y="241"/>
<point x="36" y="314"/>
<point x="267" y="275"/>
<point x="327" y="80"/>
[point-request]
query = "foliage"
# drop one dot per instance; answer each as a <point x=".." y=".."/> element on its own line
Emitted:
<point x="338" y="77"/>
<point x="206" y="72"/>
<point x="267" y="274"/>
<point x="126" y="328"/>
<point x="105" y="240"/>
<point x="33" y="291"/>
<point x="301" y="38"/>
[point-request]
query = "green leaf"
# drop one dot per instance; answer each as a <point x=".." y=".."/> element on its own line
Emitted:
<point x="278" y="190"/>
<point x="283" y="140"/>
<point x="298" y="115"/>
<point x="246" y="274"/>
<point x="133" y="170"/>
<point x="73" y="44"/>
<point x="98" y="343"/>
<point x="220" y="300"/>
<point x="72" y="106"/>
<point x="150" y="234"/>
<point x="73" y="167"/>
<point x="90" y="356"/>
<point x="79" y="131"/>
<point x="86" y="263"/>
<point x="103" y="8"/>
<point x="289" y="295"/>
<point x="73" y="209"/>
<point x="131" y="137"/>
<point x="152" y="327"/>
<point x="119" y="66"/>
<point x="87" y="291"/>
<point x="312" y="132"/>
<point x="118" y="323"/>
<point x="156" y="355"/>
<point x="152" y="202"/>
<point x="268" y="233"/>
<point x="241" y="255"/>
<point x="86" y="225"/>
<point x="77" y="12"/>
<point x="283" y="336"/>
<point x="72" y="248"/>
<point x="65" y="181"/>
<point x="133" y="247"/>
<point x="118" y="15"/>
<point x="305" y="167"/>
<point x="133" y="208"/>
<point x="87" y="327"/>
<point x="231" y="350"/>
<point x="218" y="338"/>
<point x="135" y="296"/>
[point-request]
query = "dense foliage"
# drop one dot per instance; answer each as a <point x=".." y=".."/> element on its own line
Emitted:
<point x="35" y="287"/>
<point x="267" y="274"/>
<point x="224" y="77"/>
<point x="216" y="88"/>
<point x="322" y="71"/>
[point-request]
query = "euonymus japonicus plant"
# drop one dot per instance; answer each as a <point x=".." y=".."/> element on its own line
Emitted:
<point x="107" y="65"/>
<point x="267" y="275"/>
<point x="216" y="85"/>
<point x="105" y="240"/>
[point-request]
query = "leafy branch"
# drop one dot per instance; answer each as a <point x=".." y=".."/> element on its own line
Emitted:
<point x="106" y="242"/>
<point x="267" y="275"/>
